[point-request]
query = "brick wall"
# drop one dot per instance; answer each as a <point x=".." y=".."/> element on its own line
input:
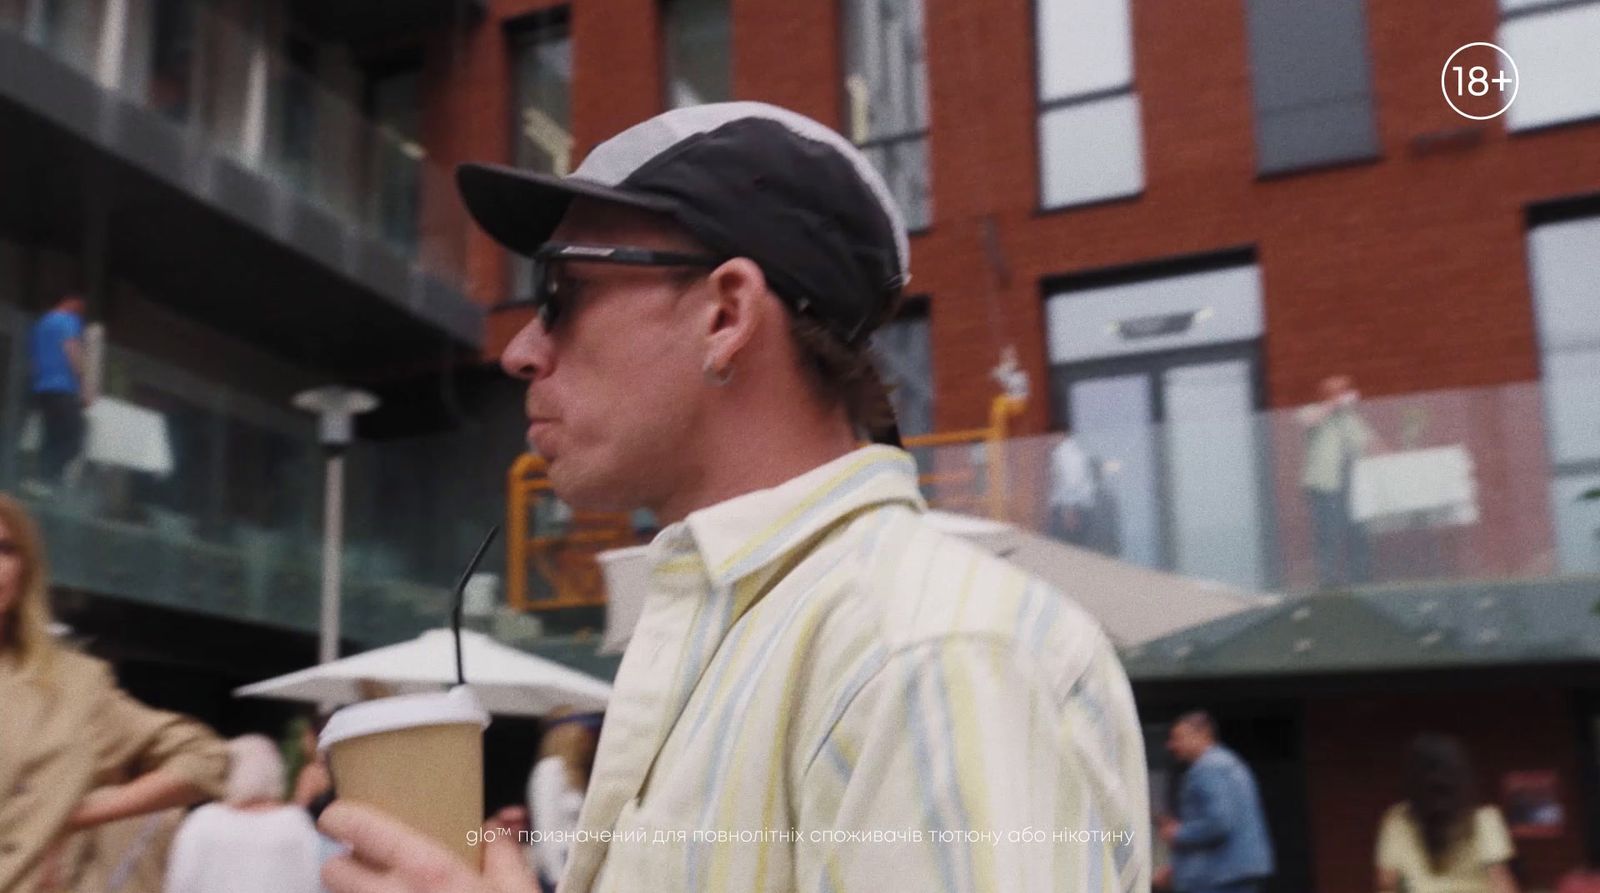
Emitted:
<point x="1408" y="272"/>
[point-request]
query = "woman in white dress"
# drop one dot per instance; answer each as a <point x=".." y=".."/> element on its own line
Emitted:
<point x="251" y="842"/>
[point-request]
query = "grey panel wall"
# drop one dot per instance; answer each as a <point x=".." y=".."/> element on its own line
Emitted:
<point x="1312" y="79"/>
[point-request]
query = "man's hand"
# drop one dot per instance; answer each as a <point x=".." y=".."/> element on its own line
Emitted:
<point x="388" y="857"/>
<point x="1169" y="829"/>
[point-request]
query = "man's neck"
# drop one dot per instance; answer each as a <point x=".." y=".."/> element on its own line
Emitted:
<point x="740" y="465"/>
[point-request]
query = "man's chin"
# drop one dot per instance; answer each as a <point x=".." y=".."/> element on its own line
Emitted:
<point x="584" y="492"/>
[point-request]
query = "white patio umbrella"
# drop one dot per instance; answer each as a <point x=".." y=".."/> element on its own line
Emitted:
<point x="507" y="681"/>
<point x="1135" y="605"/>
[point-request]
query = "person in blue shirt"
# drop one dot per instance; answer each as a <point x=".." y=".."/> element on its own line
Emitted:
<point x="1219" y="838"/>
<point x="56" y="364"/>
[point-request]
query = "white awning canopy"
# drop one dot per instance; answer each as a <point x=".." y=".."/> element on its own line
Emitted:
<point x="507" y="681"/>
<point x="1135" y="605"/>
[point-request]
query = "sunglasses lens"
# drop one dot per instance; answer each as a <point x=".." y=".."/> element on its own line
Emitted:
<point x="545" y="292"/>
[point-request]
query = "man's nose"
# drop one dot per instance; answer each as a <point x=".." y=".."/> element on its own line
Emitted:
<point x="528" y="355"/>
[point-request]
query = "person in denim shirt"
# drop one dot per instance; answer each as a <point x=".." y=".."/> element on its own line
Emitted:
<point x="1219" y="838"/>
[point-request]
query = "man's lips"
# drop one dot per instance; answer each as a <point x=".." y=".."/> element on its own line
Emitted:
<point x="538" y="427"/>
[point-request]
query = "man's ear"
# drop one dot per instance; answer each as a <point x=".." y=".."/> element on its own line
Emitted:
<point x="739" y="302"/>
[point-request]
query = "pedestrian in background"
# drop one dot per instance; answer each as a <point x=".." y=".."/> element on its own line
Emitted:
<point x="76" y="751"/>
<point x="1441" y="839"/>
<point x="251" y="842"/>
<point x="1336" y="438"/>
<point x="556" y="787"/>
<point x="56" y="364"/>
<point x="1219" y="837"/>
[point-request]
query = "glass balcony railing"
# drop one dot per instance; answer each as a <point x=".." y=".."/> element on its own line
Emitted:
<point x="1451" y="536"/>
<point x="207" y="499"/>
<point x="229" y="93"/>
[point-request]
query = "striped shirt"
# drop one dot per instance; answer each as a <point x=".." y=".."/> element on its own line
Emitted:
<point x="826" y="694"/>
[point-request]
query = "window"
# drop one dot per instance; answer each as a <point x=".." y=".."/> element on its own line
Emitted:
<point x="886" y="97"/>
<point x="1312" y="84"/>
<point x="541" y="110"/>
<point x="699" y="51"/>
<point x="1090" y="144"/>
<point x="1553" y="42"/>
<point x="1564" y="262"/>
<point x="905" y="358"/>
<point x="1156" y="372"/>
<point x="394" y="100"/>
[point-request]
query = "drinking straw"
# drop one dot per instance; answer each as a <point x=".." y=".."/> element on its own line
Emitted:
<point x="461" y="588"/>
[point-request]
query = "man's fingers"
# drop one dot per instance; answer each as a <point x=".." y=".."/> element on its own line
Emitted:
<point x="343" y="874"/>
<point x="505" y="869"/>
<point x="390" y="846"/>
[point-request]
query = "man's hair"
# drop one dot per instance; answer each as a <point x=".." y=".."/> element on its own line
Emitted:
<point x="845" y="376"/>
<point x="1200" y="721"/>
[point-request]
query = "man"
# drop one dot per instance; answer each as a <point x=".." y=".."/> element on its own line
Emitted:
<point x="823" y="693"/>
<point x="1219" y="839"/>
<point x="1074" y="492"/>
<point x="56" y="364"/>
<point x="1336" y="437"/>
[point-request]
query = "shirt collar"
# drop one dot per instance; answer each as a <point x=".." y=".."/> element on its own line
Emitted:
<point x="746" y="534"/>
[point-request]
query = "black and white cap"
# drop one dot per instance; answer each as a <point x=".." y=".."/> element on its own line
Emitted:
<point x="746" y="179"/>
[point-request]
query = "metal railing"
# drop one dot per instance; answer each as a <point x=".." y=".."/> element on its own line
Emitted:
<point x="555" y="551"/>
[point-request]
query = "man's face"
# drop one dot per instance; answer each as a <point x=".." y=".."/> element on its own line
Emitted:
<point x="1186" y="743"/>
<point x="615" y="389"/>
<point x="1335" y="386"/>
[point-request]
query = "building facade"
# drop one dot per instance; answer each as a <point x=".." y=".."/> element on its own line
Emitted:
<point x="1180" y="218"/>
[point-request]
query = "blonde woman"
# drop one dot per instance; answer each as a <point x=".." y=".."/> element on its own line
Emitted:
<point x="251" y="842"/>
<point x="76" y="752"/>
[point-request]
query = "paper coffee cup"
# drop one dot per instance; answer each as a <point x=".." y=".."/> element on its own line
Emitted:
<point x="418" y="758"/>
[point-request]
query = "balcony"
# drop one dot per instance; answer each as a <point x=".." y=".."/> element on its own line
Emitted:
<point x="1469" y="545"/>
<point x="168" y="144"/>
<point x="208" y="500"/>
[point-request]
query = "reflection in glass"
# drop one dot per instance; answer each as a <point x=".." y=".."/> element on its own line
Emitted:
<point x="699" y="52"/>
<point x="542" y="112"/>
<point x="902" y="351"/>
<point x="1111" y="418"/>
<point x="886" y="95"/>
<point x="397" y="155"/>
<point x="1211" y="449"/>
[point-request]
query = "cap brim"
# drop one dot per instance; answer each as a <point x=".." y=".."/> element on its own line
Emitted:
<point x="520" y="209"/>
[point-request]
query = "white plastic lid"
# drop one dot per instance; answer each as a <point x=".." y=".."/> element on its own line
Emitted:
<point x="456" y="706"/>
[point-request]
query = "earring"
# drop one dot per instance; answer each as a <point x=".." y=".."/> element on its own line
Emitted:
<point x="718" y="377"/>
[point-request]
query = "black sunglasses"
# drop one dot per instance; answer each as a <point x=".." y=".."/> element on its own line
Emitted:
<point x="547" y="260"/>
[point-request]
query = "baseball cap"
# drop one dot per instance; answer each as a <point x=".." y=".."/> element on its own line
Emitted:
<point x="746" y="179"/>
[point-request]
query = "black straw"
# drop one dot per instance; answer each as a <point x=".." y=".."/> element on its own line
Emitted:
<point x="461" y="588"/>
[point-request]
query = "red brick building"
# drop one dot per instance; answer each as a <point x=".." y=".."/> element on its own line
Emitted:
<point x="1181" y="215"/>
<point x="1309" y="151"/>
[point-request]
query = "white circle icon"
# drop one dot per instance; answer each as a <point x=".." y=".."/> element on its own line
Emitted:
<point x="1462" y="82"/>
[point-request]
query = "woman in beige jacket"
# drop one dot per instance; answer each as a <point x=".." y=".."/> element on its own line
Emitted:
<point x="75" y="750"/>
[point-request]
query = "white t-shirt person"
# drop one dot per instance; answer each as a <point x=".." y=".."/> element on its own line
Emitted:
<point x="553" y="806"/>
<point x="225" y="849"/>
